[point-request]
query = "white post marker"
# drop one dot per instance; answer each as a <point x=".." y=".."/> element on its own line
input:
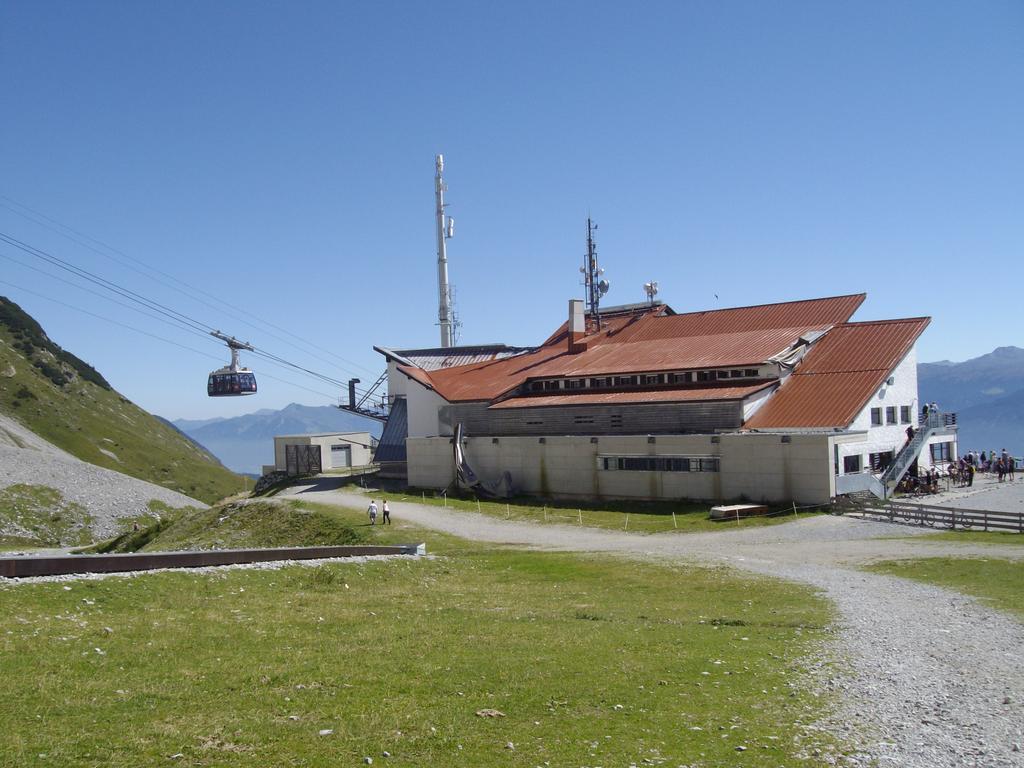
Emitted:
<point x="674" y="523"/>
<point x="581" y="515"/>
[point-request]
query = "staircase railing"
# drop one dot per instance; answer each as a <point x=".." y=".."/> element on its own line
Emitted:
<point x="909" y="453"/>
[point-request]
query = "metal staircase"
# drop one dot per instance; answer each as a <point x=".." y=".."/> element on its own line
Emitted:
<point x="908" y="454"/>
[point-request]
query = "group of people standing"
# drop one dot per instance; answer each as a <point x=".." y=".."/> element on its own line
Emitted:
<point x="385" y="511"/>
<point x="1003" y="464"/>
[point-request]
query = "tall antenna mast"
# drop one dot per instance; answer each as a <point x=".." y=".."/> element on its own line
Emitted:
<point x="445" y="230"/>
<point x="596" y="286"/>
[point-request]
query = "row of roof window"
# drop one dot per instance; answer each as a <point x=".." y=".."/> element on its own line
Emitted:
<point x="890" y="415"/>
<point x="643" y="380"/>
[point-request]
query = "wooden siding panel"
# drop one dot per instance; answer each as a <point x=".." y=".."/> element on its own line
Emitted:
<point x="653" y="419"/>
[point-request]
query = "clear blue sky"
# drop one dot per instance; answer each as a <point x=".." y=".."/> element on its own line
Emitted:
<point x="280" y="155"/>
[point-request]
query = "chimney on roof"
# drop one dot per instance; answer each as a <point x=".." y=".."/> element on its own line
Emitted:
<point x="577" y="326"/>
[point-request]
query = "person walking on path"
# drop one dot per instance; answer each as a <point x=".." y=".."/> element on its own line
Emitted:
<point x="372" y="512"/>
<point x="386" y="516"/>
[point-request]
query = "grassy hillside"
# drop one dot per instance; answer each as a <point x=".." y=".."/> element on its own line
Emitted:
<point x="38" y="516"/>
<point x="241" y="526"/>
<point x="67" y="402"/>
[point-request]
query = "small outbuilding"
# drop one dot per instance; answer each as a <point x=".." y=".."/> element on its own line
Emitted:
<point x="309" y="454"/>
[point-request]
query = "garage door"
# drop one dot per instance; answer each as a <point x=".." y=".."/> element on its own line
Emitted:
<point x="302" y="459"/>
<point x="341" y="456"/>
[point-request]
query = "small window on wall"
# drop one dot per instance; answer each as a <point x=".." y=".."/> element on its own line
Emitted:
<point x="890" y="414"/>
<point x="876" y="417"/>
<point x="940" y="452"/>
<point x="851" y="464"/>
<point x="904" y="414"/>
<point x="752" y="372"/>
<point x="880" y="461"/>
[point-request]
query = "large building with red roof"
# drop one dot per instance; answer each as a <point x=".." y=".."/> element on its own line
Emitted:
<point x="777" y="403"/>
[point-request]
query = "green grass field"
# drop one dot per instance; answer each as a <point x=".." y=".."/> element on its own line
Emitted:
<point x="591" y="662"/>
<point x="977" y="537"/>
<point x="634" y="516"/>
<point x="997" y="582"/>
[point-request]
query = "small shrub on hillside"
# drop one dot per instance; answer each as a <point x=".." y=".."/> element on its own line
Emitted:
<point x="24" y="393"/>
<point x="52" y="372"/>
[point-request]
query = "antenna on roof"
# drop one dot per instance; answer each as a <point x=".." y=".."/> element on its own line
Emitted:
<point x="445" y="230"/>
<point x="651" y="289"/>
<point x="596" y="286"/>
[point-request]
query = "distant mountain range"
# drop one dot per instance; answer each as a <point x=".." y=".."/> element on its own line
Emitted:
<point x="246" y="443"/>
<point x="986" y="392"/>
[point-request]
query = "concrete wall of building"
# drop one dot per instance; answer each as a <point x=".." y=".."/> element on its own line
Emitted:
<point x="357" y="442"/>
<point x="754" y="466"/>
<point x="777" y="468"/>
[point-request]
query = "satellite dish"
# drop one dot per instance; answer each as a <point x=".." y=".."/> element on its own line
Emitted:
<point x="603" y="287"/>
<point x="451" y="228"/>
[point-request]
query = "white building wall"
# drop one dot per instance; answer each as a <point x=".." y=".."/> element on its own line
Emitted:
<point x="397" y="381"/>
<point x="423" y="406"/>
<point x="888" y="437"/>
<point x="903" y="391"/>
<point x="755" y="401"/>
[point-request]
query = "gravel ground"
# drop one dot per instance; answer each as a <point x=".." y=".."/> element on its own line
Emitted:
<point x="106" y="494"/>
<point x="986" y="493"/>
<point x="931" y="678"/>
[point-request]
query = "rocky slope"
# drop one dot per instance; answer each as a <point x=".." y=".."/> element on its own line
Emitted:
<point x="50" y="498"/>
<point x="68" y="404"/>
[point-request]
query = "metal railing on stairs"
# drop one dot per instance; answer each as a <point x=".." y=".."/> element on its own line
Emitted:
<point x="929" y="423"/>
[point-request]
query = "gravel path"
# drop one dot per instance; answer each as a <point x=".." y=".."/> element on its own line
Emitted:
<point x="986" y="493"/>
<point x="107" y="495"/>
<point x="933" y="679"/>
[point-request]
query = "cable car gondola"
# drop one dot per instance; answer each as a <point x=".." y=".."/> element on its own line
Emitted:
<point x="231" y="380"/>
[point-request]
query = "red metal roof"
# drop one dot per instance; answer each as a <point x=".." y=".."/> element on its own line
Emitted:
<point x="839" y="375"/>
<point x="653" y="353"/>
<point x="651" y="342"/>
<point x="809" y="313"/>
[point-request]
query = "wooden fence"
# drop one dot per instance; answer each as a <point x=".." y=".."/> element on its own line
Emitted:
<point x="937" y="517"/>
